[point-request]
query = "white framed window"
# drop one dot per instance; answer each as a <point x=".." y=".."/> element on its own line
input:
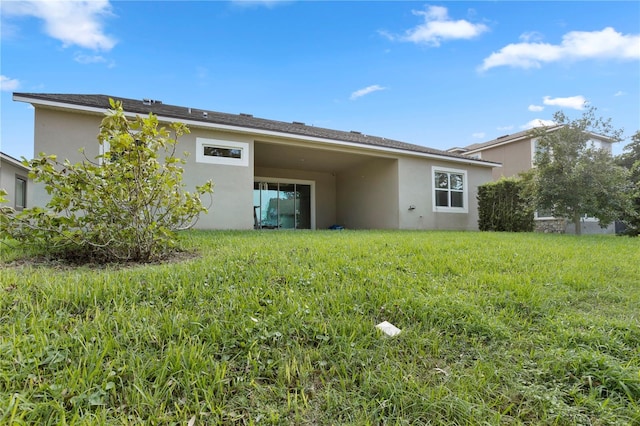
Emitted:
<point x="449" y="190"/>
<point x="216" y="151"/>
<point x="21" y="193"/>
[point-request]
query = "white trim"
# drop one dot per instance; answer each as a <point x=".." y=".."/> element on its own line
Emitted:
<point x="260" y="132"/>
<point x="311" y="183"/>
<point x="475" y="155"/>
<point x="528" y="135"/>
<point x="219" y="143"/>
<point x="465" y="191"/>
<point x="23" y="193"/>
<point x="13" y="161"/>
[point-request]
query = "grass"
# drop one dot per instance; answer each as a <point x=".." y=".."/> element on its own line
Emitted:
<point x="278" y="328"/>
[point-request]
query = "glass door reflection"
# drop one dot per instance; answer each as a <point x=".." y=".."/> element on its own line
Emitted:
<point x="281" y="205"/>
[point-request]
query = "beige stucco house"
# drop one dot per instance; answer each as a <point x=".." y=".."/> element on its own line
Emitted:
<point x="284" y="175"/>
<point x="516" y="154"/>
<point x="14" y="178"/>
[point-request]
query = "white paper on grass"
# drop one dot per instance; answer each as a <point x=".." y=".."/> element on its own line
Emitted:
<point x="388" y="328"/>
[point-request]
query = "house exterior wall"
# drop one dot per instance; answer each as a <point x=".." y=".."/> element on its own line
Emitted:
<point x="232" y="206"/>
<point x="375" y="194"/>
<point x="232" y="192"/>
<point x="367" y="196"/>
<point x="515" y="157"/>
<point x="63" y="133"/>
<point x="416" y="178"/>
<point x="9" y="172"/>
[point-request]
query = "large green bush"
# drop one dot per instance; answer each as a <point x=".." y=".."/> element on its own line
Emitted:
<point x="124" y="205"/>
<point x="504" y="206"/>
<point x="630" y="160"/>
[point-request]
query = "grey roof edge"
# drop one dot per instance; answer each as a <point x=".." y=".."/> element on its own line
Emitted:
<point x="502" y="140"/>
<point x="13" y="161"/>
<point x="514" y="137"/>
<point x="98" y="102"/>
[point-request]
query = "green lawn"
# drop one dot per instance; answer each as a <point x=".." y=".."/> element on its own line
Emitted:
<point x="278" y="328"/>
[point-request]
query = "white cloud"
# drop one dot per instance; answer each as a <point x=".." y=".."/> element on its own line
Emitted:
<point x="479" y="135"/>
<point x="531" y="36"/>
<point x="74" y="22"/>
<point x="370" y="89"/>
<point x="619" y="93"/>
<point x="573" y="102"/>
<point x="88" y="59"/>
<point x="575" y="45"/>
<point x="8" y="84"/>
<point x="538" y="122"/>
<point x="437" y="27"/>
<point x="536" y="108"/>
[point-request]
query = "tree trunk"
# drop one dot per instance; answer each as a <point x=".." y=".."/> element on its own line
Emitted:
<point x="576" y="222"/>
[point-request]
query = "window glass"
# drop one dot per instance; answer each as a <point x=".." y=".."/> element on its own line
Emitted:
<point x="456" y="182"/>
<point x="442" y="198"/>
<point x="456" y="199"/>
<point x="216" y="151"/>
<point x="21" y="193"/>
<point x="442" y="180"/>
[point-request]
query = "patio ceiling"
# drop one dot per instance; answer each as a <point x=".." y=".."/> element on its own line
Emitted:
<point x="313" y="159"/>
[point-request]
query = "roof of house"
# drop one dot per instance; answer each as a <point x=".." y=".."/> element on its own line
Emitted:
<point x="100" y="103"/>
<point x="525" y="134"/>
<point x="502" y="140"/>
<point x="13" y="160"/>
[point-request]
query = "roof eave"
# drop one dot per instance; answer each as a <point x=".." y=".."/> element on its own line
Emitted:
<point x="262" y="132"/>
<point x="14" y="161"/>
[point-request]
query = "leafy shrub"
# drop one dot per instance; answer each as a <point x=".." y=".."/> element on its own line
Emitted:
<point x="504" y="206"/>
<point x="126" y="205"/>
<point x="630" y="160"/>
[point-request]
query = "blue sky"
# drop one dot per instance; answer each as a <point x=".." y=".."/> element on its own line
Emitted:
<point x="439" y="74"/>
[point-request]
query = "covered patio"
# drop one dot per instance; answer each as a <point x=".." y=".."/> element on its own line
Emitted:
<point x="303" y="187"/>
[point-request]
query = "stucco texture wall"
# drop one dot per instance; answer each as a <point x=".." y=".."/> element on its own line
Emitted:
<point x="65" y="133"/>
<point x="232" y="206"/>
<point x="515" y="157"/>
<point x="416" y="189"/>
<point x="367" y="196"/>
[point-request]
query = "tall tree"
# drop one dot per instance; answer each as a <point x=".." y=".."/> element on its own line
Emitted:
<point x="630" y="160"/>
<point x="573" y="176"/>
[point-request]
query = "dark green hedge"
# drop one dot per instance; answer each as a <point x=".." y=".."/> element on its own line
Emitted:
<point x="503" y="206"/>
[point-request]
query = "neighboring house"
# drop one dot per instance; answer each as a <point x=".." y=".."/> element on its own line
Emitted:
<point x="273" y="174"/>
<point x="516" y="154"/>
<point x="14" y="178"/>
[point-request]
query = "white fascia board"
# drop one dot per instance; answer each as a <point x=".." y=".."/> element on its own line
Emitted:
<point x="595" y="135"/>
<point x="261" y="132"/>
<point x="61" y="105"/>
<point x="13" y="161"/>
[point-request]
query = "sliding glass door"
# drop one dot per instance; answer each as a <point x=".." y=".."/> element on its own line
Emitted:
<point x="281" y="205"/>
